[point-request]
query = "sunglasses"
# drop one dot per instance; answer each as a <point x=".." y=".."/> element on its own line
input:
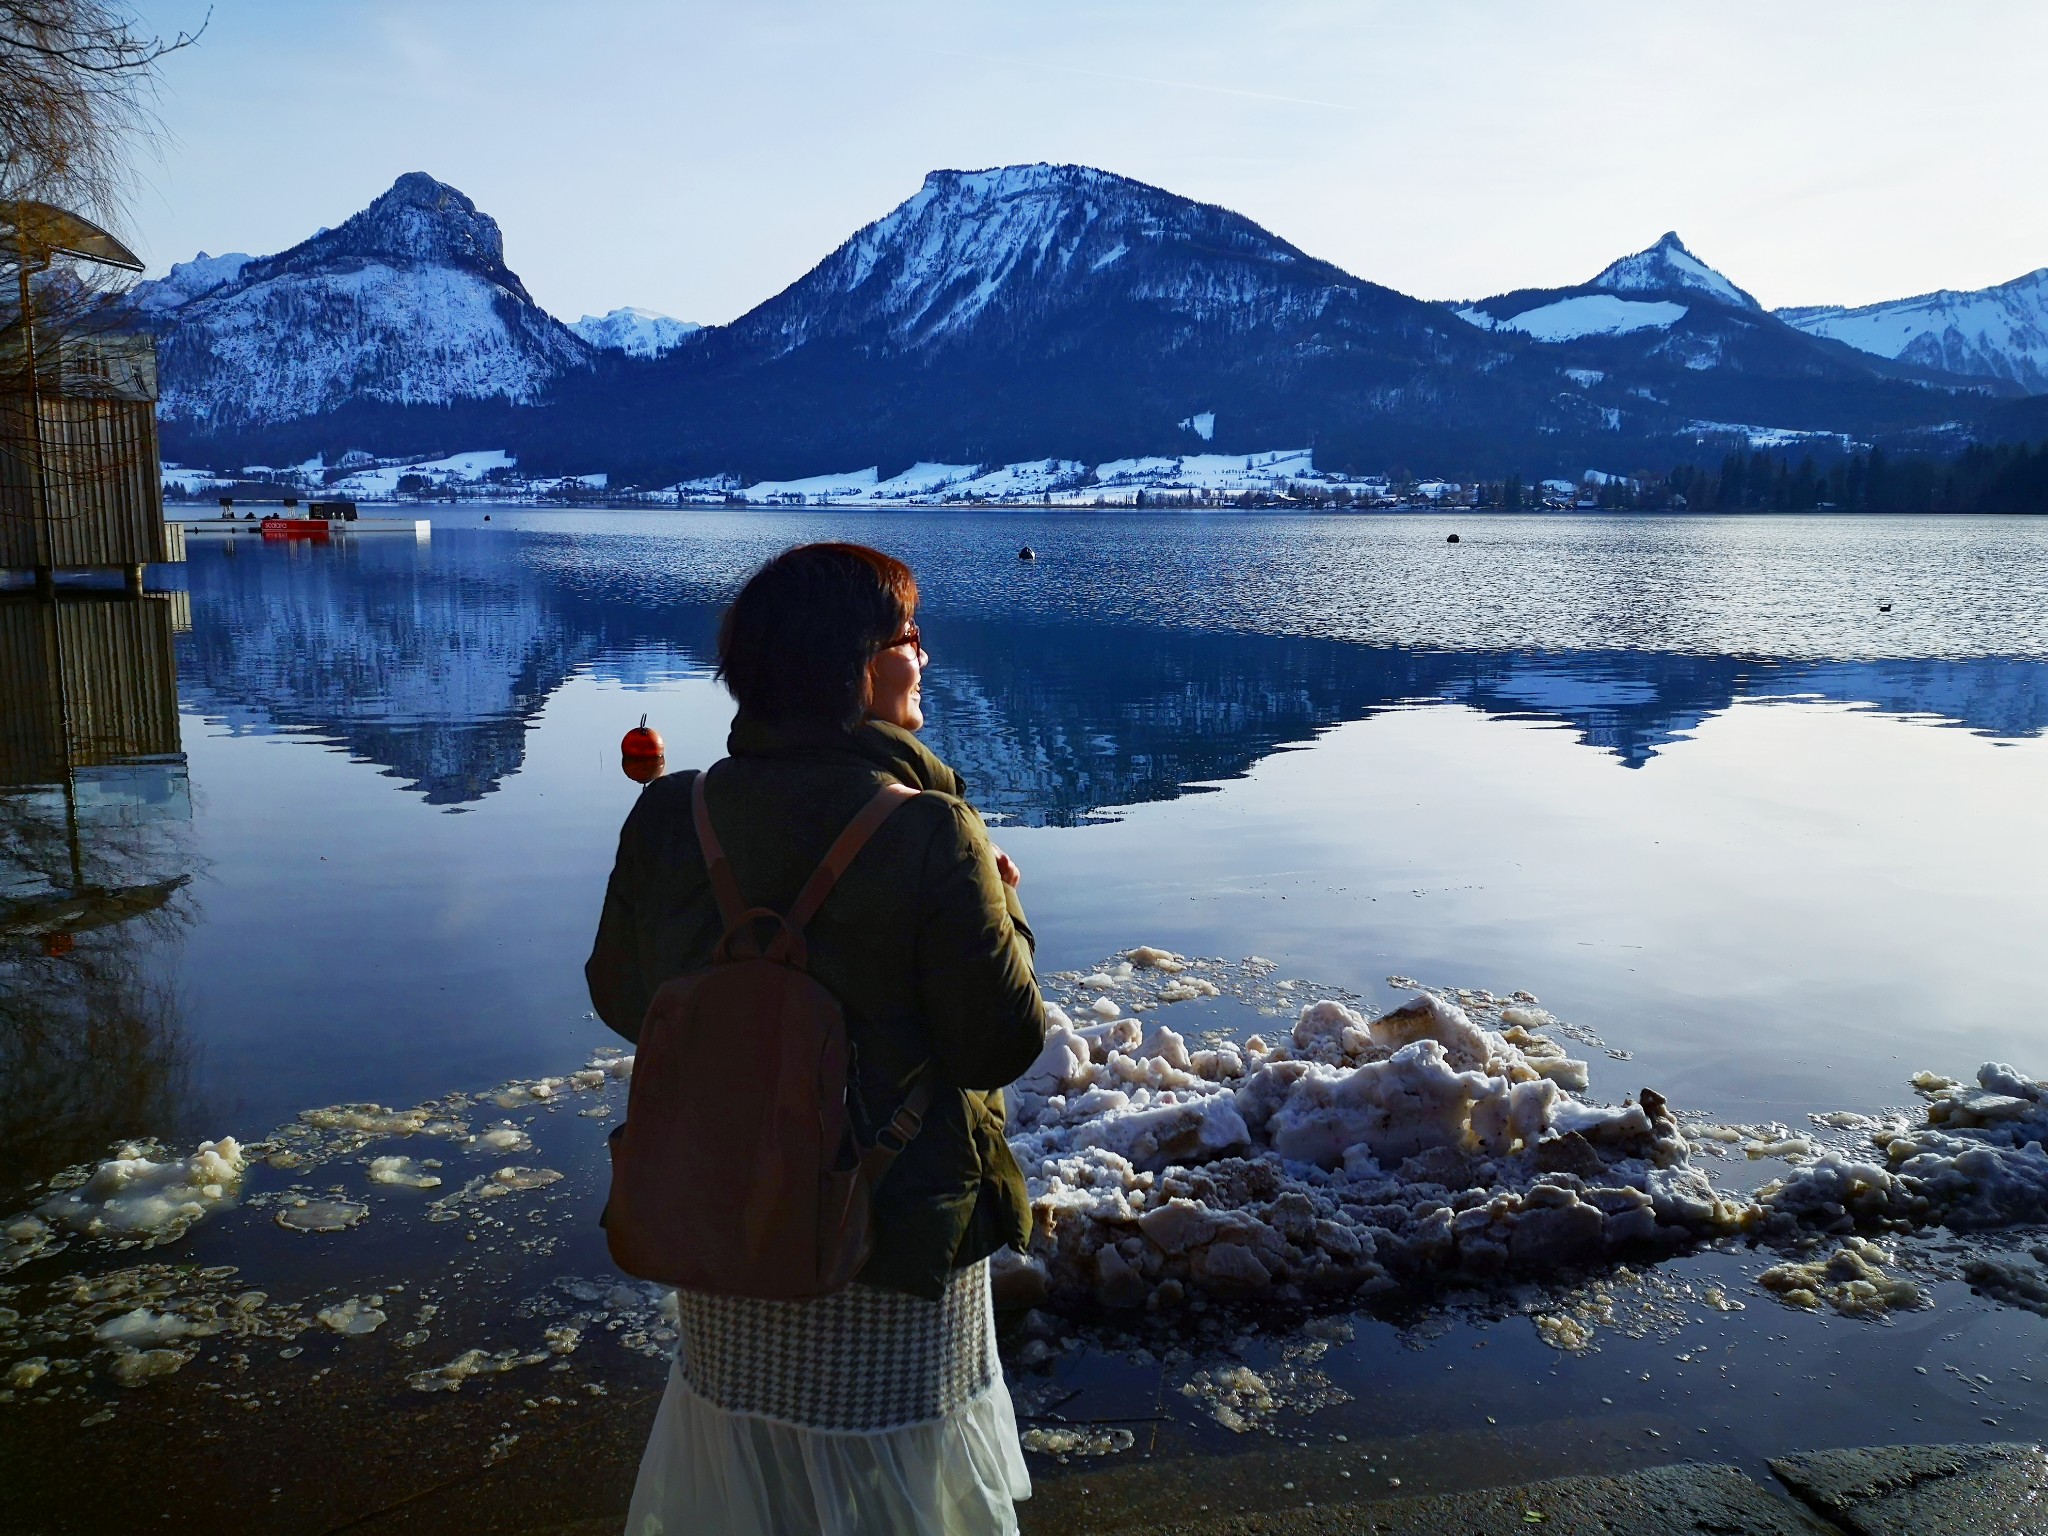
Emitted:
<point x="910" y="637"/>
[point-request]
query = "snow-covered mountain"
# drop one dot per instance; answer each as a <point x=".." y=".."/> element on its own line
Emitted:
<point x="635" y="332"/>
<point x="407" y="303"/>
<point x="975" y="256"/>
<point x="996" y="310"/>
<point x="187" y="280"/>
<point x="1998" y="333"/>
<point x="1651" y="290"/>
<point x="999" y="317"/>
<point x="1669" y="268"/>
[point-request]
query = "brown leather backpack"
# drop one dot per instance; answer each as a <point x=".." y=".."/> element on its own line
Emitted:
<point x="737" y="1171"/>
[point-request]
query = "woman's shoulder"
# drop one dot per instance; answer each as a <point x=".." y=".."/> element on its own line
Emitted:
<point x="661" y="808"/>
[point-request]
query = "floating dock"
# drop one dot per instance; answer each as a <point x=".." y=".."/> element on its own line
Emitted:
<point x="318" y="529"/>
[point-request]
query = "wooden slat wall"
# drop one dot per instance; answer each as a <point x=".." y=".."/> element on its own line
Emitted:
<point x="105" y="487"/>
<point x="116" y="699"/>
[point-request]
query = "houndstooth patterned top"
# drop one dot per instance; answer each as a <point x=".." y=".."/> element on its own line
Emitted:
<point x="863" y="1359"/>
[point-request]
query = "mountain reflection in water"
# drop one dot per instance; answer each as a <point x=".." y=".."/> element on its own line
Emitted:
<point x="433" y="661"/>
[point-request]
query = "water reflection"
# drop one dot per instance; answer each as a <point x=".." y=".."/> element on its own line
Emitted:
<point x="433" y="662"/>
<point x="430" y="661"/>
<point x="94" y="865"/>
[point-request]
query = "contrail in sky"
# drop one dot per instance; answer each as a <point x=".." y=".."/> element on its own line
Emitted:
<point x="1183" y="85"/>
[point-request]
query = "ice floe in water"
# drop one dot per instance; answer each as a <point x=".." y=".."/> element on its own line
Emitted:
<point x="357" y="1315"/>
<point x="2011" y="1279"/>
<point x="133" y="1196"/>
<point x="299" y="1214"/>
<point x="1352" y="1155"/>
<point x="1852" y="1279"/>
<point x="1974" y="1162"/>
<point x="402" y="1171"/>
<point x="1242" y="1399"/>
<point x="1067" y="1440"/>
<point x="472" y="1362"/>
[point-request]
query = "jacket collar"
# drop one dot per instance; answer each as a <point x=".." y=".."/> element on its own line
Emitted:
<point x="873" y="742"/>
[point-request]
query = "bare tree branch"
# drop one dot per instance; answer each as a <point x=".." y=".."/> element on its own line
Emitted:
<point x="77" y="80"/>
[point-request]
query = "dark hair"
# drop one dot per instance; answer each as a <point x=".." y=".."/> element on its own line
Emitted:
<point x="796" y="643"/>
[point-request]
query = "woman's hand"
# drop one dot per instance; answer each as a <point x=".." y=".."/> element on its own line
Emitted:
<point x="1007" y="868"/>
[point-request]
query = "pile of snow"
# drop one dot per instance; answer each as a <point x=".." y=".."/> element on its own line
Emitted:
<point x="635" y="332"/>
<point x="1353" y="1156"/>
<point x="1976" y="1162"/>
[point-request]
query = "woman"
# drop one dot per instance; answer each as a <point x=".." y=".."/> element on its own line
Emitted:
<point x="880" y="1409"/>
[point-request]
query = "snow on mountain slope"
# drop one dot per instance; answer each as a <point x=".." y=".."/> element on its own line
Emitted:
<point x="1668" y="267"/>
<point x="1589" y="314"/>
<point x="1023" y="240"/>
<point x="409" y="302"/>
<point x="635" y="332"/>
<point x="187" y="280"/>
<point x="1999" y="332"/>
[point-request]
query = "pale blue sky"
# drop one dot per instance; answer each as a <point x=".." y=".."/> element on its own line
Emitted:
<point x="695" y="158"/>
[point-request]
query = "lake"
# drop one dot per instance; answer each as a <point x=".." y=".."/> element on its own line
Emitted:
<point x="1757" y="802"/>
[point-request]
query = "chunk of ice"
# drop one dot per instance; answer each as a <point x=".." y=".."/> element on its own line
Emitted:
<point x="355" y="1316"/>
<point x="401" y="1171"/>
<point x="302" y="1215"/>
<point x="130" y="1195"/>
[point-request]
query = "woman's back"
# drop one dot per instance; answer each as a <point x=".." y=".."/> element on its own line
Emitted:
<point x="924" y="947"/>
<point x="881" y="1407"/>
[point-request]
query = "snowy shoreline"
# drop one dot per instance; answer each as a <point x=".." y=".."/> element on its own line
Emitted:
<point x="1440" y="1147"/>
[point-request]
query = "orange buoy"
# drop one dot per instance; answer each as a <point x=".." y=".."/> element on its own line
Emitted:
<point x="642" y="770"/>
<point x="641" y="741"/>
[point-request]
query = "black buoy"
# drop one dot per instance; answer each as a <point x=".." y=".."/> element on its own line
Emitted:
<point x="1452" y="539"/>
<point x="487" y="517"/>
<point x="1027" y="553"/>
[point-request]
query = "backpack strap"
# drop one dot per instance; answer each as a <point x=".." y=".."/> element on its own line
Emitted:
<point x="892" y="1138"/>
<point x="842" y="851"/>
<point x="733" y="911"/>
<point x="732" y="907"/>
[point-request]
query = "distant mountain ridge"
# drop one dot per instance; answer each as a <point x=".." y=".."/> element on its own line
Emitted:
<point x="999" y="316"/>
<point x="635" y="332"/>
<point x="1999" y="332"/>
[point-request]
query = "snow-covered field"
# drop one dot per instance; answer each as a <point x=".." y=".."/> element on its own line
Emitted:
<point x="1059" y="482"/>
<point x="1589" y="314"/>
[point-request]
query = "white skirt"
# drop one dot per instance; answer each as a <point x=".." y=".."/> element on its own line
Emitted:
<point x="868" y="1413"/>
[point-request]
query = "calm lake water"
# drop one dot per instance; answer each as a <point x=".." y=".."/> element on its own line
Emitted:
<point x="1762" y="801"/>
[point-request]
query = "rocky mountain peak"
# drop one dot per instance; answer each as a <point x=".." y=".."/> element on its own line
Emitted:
<point x="1668" y="267"/>
<point x="419" y="222"/>
<point x="1035" y="239"/>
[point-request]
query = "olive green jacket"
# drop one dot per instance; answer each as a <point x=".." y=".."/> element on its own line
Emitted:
<point x="923" y="945"/>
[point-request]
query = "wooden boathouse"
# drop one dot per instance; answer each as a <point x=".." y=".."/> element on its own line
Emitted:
<point x="80" y="478"/>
